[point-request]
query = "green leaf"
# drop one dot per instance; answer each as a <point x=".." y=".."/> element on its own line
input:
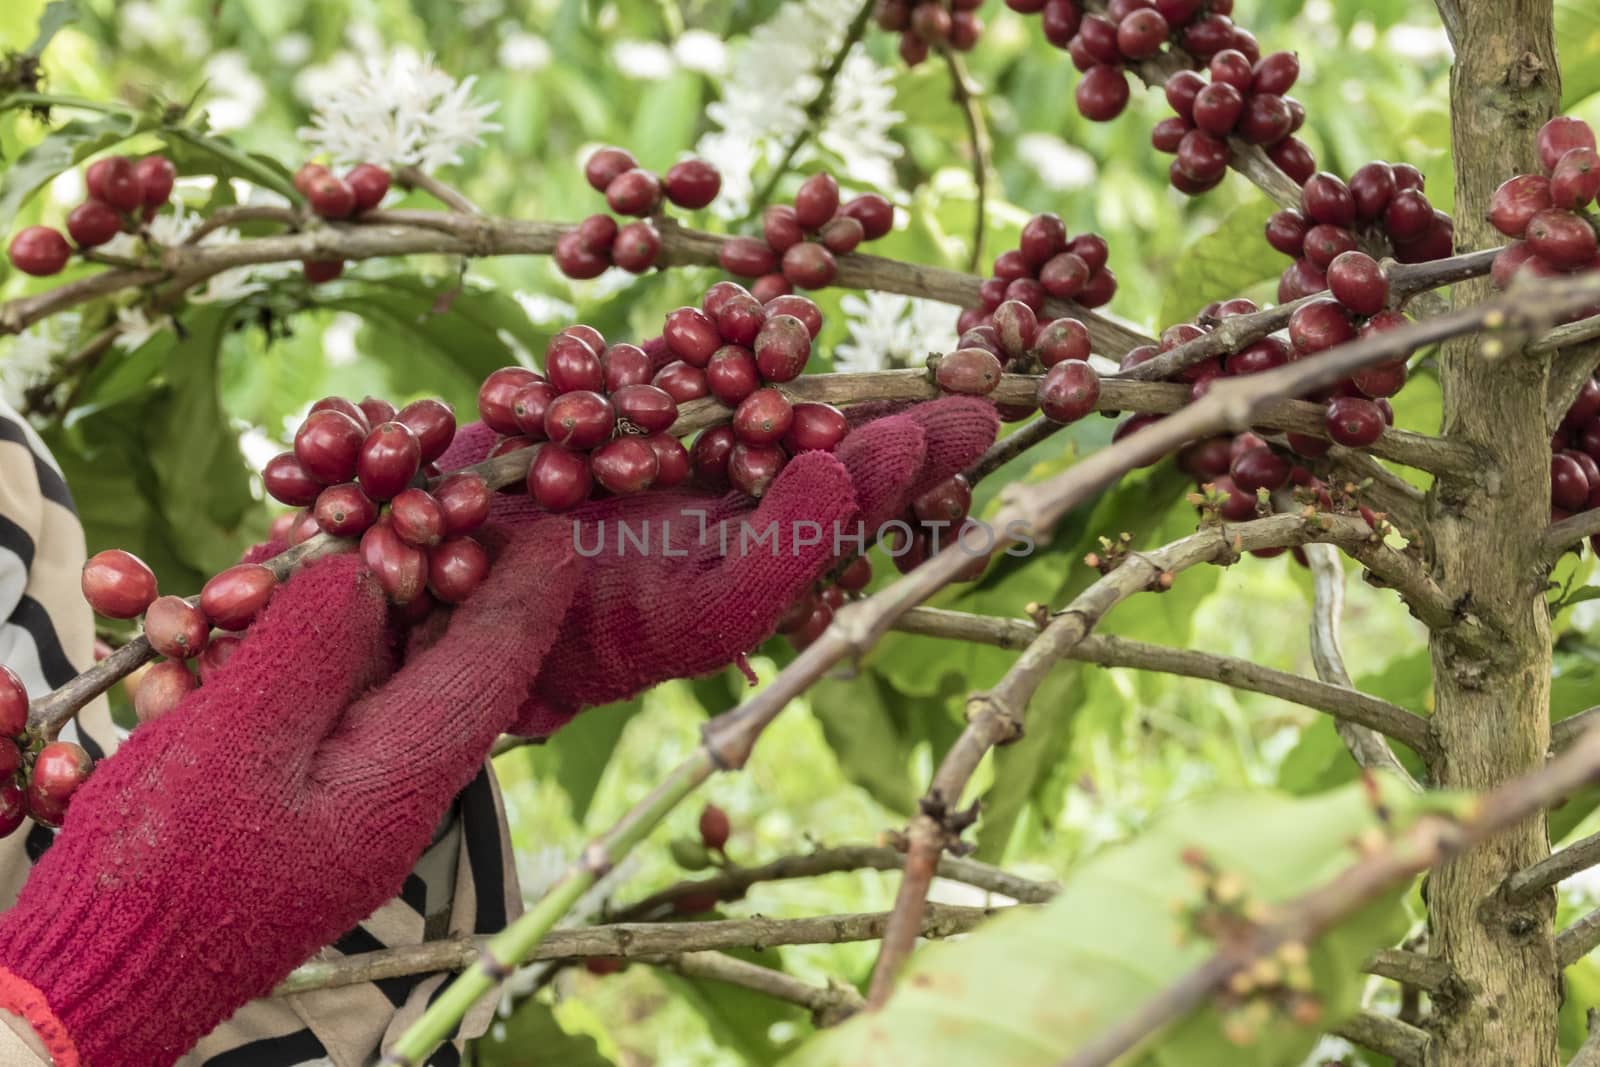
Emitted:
<point x="1578" y="47"/>
<point x="57" y="14"/>
<point x="1034" y="985"/>
<point x="578" y="754"/>
<point x="1222" y="264"/>
<point x="862" y="730"/>
<point x="740" y="1019"/>
<point x="63" y="149"/>
<point x="533" y="1037"/>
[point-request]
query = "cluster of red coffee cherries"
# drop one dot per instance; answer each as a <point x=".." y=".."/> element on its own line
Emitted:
<point x="366" y="470"/>
<point x="332" y="197"/>
<point x="1383" y="202"/>
<point x="735" y="348"/>
<point x="924" y="25"/>
<point x="1575" y="450"/>
<point x="123" y="195"/>
<point x="1547" y="212"/>
<point x="799" y="241"/>
<point x="1046" y="263"/>
<point x="1242" y="99"/>
<point x="1015" y="336"/>
<point x="1128" y="31"/>
<point x="599" y="241"/>
<point x="37" y="779"/>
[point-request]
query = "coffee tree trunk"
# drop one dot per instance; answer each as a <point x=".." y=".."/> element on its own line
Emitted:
<point x="1492" y="709"/>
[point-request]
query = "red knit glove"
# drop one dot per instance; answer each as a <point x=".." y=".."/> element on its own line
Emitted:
<point x="700" y="591"/>
<point x="286" y="799"/>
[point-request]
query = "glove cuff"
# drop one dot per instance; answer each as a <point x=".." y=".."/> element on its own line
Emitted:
<point x="23" y="999"/>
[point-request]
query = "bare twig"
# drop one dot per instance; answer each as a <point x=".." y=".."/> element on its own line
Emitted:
<point x="1589" y="1054"/>
<point x="1239" y="331"/>
<point x="732" y="883"/>
<point x="996" y="717"/>
<point x="224" y="217"/>
<point x="1011" y="446"/>
<point x="1344" y="703"/>
<point x="1529" y="882"/>
<point x="1570" y="532"/>
<point x="829" y="1005"/>
<point x="1430" y="974"/>
<point x="1568" y="730"/>
<point x="1397" y="498"/>
<point x="1327" y="610"/>
<point x="1403" y="1043"/>
<point x="1428" y="841"/>
<point x="411" y="177"/>
<point x="817" y="109"/>
<point x="621" y="941"/>
<point x="967" y="97"/>
<point x="1579" y="939"/>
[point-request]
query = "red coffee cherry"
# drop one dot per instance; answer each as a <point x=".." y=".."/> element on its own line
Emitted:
<point x="801" y="307"/>
<point x="815" y="428"/>
<point x="970" y="371"/>
<point x="13" y="703"/>
<point x="579" y="420"/>
<point x="118" y="584"/>
<point x="747" y="257"/>
<point x="377" y="410"/>
<point x="681" y="381"/>
<point x="577" y="259"/>
<point x="692" y="183"/>
<point x="39" y="251"/>
<point x="625" y="364"/>
<point x="634" y="192"/>
<point x="162" y="687"/>
<point x="570" y="365"/>
<point x="369" y="183"/>
<point x="1069" y="391"/>
<point x="464" y="500"/>
<point x="1059" y="341"/>
<point x="636" y="248"/>
<point x="59" y="769"/>
<point x="344" y="510"/>
<point x="873" y="211"/>
<point x="156" y="176"/>
<point x="390" y="457"/>
<point x="456" y="568"/>
<point x="400" y="569"/>
<point x="1102" y="93"/>
<point x="331" y="197"/>
<point x="710" y="456"/>
<point x="690" y="335"/>
<point x="175" y="628"/>
<point x="672" y="460"/>
<point x="732" y="374"/>
<point x="752" y="468"/>
<point x="92" y="223"/>
<point x="116" y="181"/>
<point x="327" y="446"/>
<point x="496" y="395"/>
<point x="1354" y="421"/>
<point x="303" y="177"/>
<point x="763" y="418"/>
<point x="714" y="828"/>
<point x="559" y="480"/>
<point x="233" y="599"/>
<point x="625" y="465"/>
<point x="649" y="408"/>
<point x="433" y="421"/>
<point x="216" y="654"/>
<point x="809" y="265"/>
<point x="288" y="482"/>
<point x="816" y="201"/>
<point x="782" y="348"/>
<point x="606" y="165"/>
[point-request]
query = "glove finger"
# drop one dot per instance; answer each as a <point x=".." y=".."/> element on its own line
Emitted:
<point x="321" y="641"/>
<point x="410" y="746"/>
<point x="893" y="459"/>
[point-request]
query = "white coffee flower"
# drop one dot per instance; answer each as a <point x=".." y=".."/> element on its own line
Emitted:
<point x="399" y="110"/>
<point x="135" y="327"/>
<point x="1060" y="166"/>
<point x="888" y="331"/>
<point x="27" y="359"/>
<point x="773" y="76"/>
<point x="701" y="52"/>
<point x="523" y="51"/>
<point x="235" y="94"/>
<point x="643" y="59"/>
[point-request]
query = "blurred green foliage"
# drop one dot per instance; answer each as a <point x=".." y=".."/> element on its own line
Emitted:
<point x="157" y="442"/>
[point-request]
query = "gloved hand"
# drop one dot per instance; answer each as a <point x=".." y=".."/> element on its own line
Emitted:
<point x="289" y="797"/>
<point x="699" y="592"/>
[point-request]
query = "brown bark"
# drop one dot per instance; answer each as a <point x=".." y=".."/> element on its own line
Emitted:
<point x="1492" y="704"/>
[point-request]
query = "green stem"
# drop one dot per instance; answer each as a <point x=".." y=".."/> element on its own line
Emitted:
<point x="257" y="173"/>
<point x="816" y="109"/>
<point x="512" y="946"/>
<point x="82" y="103"/>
